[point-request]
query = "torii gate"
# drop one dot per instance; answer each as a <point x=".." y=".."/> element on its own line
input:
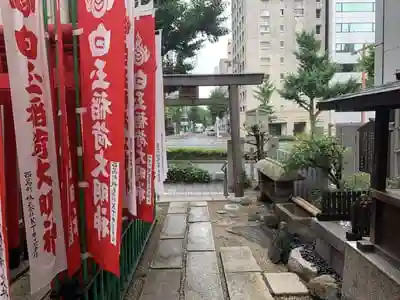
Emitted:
<point x="188" y="81"/>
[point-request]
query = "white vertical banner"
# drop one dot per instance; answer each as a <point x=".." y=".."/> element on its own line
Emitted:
<point x="4" y="280"/>
<point x="130" y="196"/>
<point x="160" y="151"/>
<point x="25" y="43"/>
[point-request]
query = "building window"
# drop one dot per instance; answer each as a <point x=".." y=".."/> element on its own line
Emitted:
<point x="318" y="29"/>
<point x="282" y="76"/>
<point x="282" y="28"/>
<point x="348" y="68"/>
<point x="355" y="7"/>
<point x="282" y="44"/>
<point x="318" y="13"/>
<point x="266" y="59"/>
<point x="264" y="28"/>
<point x="299" y="12"/>
<point x="282" y="59"/>
<point x="282" y="12"/>
<point x="355" y="27"/>
<point x="345" y="48"/>
<point x="265" y="45"/>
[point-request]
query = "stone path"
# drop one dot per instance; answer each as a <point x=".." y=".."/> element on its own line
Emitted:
<point x="187" y="265"/>
<point x="192" y="192"/>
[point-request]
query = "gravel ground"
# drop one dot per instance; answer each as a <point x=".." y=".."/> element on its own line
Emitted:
<point x="222" y="223"/>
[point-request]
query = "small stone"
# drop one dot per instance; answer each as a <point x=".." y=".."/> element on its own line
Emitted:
<point x="232" y="207"/>
<point x="297" y="264"/>
<point x="244" y="201"/>
<point x="325" y="287"/>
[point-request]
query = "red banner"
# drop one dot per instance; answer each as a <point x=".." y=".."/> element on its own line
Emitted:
<point x="67" y="180"/>
<point x="102" y="51"/>
<point x="145" y="96"/>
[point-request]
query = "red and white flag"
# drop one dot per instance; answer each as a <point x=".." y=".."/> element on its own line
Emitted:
<point x="102" y="61"/>
<point x="130" y="203"/>
<point x="34" y="129"/>
<point x="67" y="178"/>
<point x="4" y="280"/>
<point x="145" y="100"/>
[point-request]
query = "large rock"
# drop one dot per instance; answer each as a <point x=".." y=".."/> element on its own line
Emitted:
<point x="280" y="245"/>
<point x="270" y="220"/>
<point x="297" y="264"/>
<point x="325" y="287"/>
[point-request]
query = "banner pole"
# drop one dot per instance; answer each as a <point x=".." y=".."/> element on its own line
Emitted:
<point x="82" y="225"/>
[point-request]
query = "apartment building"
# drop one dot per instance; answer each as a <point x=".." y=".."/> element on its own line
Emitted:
<point x="263" y="40"/>
<point x="351" y="27"/>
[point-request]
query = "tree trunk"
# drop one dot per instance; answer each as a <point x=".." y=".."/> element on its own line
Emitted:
<point x="312" y="118"/>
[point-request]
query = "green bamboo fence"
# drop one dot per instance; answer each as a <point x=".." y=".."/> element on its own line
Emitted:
<point x="93" y="283"/>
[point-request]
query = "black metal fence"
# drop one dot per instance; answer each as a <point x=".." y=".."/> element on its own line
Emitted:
<point x="337" y="205"/>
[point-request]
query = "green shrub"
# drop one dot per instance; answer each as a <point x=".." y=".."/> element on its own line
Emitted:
<point x="196" y="154"/>
<point x="187" y="174"/>
<point x="357" y="181"/>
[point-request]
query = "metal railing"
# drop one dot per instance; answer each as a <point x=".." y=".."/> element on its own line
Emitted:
<point x="103" y="285"/>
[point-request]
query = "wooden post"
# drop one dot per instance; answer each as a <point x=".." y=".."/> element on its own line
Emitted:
<point x="379" y="167"/>
<point x="235" y="136"/>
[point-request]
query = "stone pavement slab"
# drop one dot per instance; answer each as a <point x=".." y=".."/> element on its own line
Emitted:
<point x="203" y="286"/>
<point x="174" y="226"/>
<point x="169" y="255"/>
<point x="238" y="260"/>
<point x="200" y="237"/>
<point x="202" y="263"/>
<point x="285" y="284"/>
<point x="198" y="204"/>
<point x="162" y="284"/>
<point x="178" y="208"/>
<point x="199" y="214"/>
<point x="247" y="286"/>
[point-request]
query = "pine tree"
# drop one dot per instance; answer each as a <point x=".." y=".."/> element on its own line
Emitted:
<point x="263" y="94"/>
<point x="312" y="81"/>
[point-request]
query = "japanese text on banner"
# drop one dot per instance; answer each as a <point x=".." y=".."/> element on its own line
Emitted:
<point x="34" y="127"/>
<point x="145" y="68"/>
<point x="102" y="59"/>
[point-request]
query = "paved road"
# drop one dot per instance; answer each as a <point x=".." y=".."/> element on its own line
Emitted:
<point x="196" y="140"/>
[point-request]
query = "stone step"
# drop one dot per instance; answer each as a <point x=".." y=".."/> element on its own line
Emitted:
<point x="247" y="286"/>
<point x="174" y="226"/>
<point x="202" y="277"/>
<point x="286" y="285"/>
<point x="200" y="237"/>
<point x="238" y="260"/>
<point x="178" y="208"/>
<point x="199" y="214"/>
<point x="162" y="284"/>
<point x="168" y="255"/>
